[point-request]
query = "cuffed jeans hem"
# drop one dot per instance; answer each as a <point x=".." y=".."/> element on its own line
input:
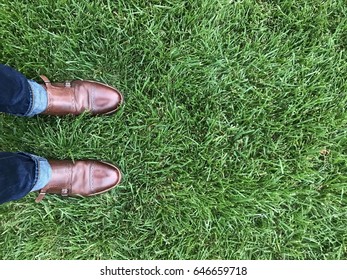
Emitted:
<point x="40" y="99"/>
<point x="43" y="172"/>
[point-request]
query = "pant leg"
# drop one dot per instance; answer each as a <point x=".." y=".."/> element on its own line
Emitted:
<point x="15" y="92"/>
<point x="18" y="175"/>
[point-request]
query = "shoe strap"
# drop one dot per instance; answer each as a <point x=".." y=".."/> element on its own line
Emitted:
<point x="40" y="197"/>
<point x="64" y="192"/>
<point x="45" y="79"/>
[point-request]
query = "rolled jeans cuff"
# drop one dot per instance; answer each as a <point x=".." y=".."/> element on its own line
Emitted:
<point x="43" y="172"/>
<point x="39" y="99"/>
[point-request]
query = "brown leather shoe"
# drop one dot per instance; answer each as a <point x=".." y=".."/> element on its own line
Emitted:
<point x="79" y="96"/>
<point x="80" y="178"/>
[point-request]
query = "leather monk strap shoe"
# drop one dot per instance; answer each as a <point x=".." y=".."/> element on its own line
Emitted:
<point x="80" y="178"/>
<point x="79" y="96"/>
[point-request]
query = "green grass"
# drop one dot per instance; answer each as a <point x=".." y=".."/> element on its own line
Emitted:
<point x="232" y="139"/>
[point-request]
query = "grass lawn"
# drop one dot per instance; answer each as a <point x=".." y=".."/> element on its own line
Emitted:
<point x="232" y="139"/>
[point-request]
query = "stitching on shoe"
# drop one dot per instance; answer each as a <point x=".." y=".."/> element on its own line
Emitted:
<point x="70" y="177"/>
<point x="92" y="99"/>
<point x="73" y="100"/>
<point x="47" y="83"/>
<point x="91" y="174"/>
<point x="49" y="105"/>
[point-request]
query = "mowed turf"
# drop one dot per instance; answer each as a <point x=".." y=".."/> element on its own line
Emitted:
<point x="232" y="139"/>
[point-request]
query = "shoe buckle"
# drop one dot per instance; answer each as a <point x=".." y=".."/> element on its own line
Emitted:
<point x="64" y="192"/>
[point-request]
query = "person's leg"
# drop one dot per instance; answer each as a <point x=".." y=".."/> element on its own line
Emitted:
<point x="21" y="173"/>
<point x="20" y="96"/>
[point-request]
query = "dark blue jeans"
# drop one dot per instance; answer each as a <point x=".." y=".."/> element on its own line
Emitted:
<point x="17" y="171"/>
<point x="16" y="96"/>
<point x="20" y="172"/>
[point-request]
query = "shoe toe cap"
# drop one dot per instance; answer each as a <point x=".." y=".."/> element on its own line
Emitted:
<point x="104" y="177"/>
<point x="106" y="100"/>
